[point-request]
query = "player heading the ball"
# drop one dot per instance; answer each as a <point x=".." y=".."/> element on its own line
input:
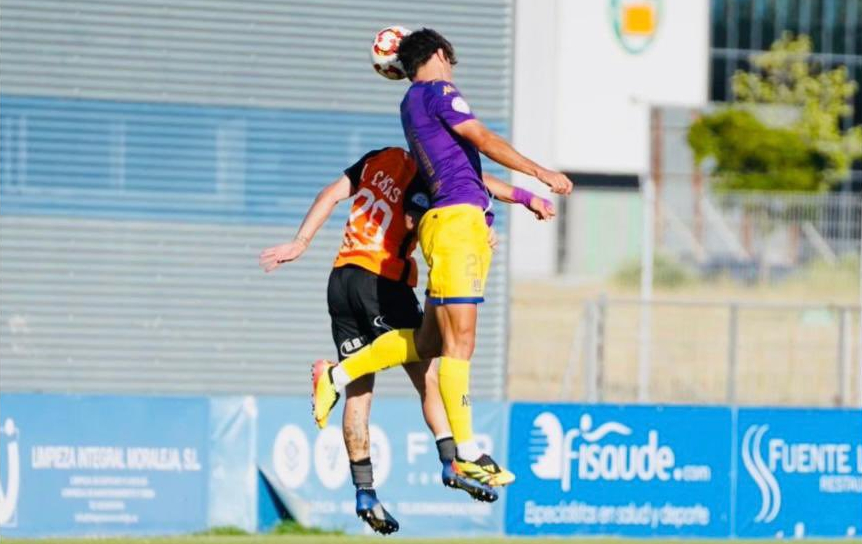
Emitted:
<point x="445" y="138"/>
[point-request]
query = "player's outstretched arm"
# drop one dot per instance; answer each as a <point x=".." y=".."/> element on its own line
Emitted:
<point x="326" y="200"/>
<point x="541" y="207"/>
<point x="500" y="151"/>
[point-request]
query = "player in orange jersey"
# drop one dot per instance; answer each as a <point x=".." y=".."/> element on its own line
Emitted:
<point x="371" y="292"/>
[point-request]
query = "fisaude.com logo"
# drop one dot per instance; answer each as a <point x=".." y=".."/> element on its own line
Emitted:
<point x="587" y="453"/>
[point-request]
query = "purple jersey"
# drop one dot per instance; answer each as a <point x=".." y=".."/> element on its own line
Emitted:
<point x="447" y="161"/>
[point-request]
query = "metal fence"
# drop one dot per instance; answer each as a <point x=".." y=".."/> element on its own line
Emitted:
<point x="758" y="237"/>
<point x="755" y="237"/>
<point x="694" y="352"/>
<point x="756" y="293"/>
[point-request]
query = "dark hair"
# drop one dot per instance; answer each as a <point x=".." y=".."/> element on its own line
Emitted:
<point x="417" y="47"/>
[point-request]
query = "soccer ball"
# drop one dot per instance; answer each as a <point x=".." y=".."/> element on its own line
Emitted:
<point x="384" y="52"/>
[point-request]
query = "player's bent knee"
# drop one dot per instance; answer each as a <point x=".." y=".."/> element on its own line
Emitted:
<point x="458" y="350"/>
<point x="463" y="331"/>
<point x="460" y="345"/>
<point x="459" y="331"/>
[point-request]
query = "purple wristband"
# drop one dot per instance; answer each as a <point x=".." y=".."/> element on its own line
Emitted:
<point x="522" y="196"/>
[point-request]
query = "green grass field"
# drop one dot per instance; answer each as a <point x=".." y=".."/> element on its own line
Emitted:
<point x="335" y="539"/>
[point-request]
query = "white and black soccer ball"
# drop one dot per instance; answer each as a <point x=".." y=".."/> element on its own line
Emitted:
<point x="384" y="52"/>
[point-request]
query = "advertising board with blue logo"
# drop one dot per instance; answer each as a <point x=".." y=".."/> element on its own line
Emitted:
<point x="102" y="465"/>
<point x="309" y="470"/>
<point x="800" y="473"/>
<point x="619" y="470"/>
<point x="74" y="465"/>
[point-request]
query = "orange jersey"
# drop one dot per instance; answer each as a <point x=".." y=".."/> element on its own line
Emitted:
<point x="376" y="238"/>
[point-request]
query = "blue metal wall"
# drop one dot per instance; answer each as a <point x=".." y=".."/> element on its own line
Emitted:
<point x="150" y="150"/>
<point x="126" y="160"/>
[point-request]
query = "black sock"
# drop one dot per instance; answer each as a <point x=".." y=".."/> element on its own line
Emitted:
<point x="360" y="471"/>
<point x="446" y="449"/>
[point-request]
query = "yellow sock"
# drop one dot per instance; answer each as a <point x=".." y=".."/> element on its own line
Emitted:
<point x="393" y="348"/>
<point x="455" y="390"/>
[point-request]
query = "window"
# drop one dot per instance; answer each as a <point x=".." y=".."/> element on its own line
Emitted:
<point x="740" y="27"/>
<point x="719" y="78"/>
<point x="744" y="23"/>
<point x="766" y="13"/>
<point x="719" y="24"/>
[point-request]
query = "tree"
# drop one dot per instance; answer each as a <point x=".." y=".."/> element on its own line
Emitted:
<point x="752" y="156"/>
<point x="809" y="152"/>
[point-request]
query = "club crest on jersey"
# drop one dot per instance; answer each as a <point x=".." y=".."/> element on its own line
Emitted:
<point x="460" y="105"/>
<point x="421" y="200"/>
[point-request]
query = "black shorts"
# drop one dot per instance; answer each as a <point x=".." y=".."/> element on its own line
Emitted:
<point x="363" y="306"/>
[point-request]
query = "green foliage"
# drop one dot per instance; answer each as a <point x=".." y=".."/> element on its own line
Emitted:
<point x="226" y="530"/>
<point x="667" y="272"/>
<point x="290" y="527"/>
<point x="751" y="156"/>
<point x="807" y="154"/>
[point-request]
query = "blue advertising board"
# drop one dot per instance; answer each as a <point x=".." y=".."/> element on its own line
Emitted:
<point x="309" y="469"/>
<point x="619" y="470"/>
<point x="102" y="465"/>
<point x="799" y="473"/>
<point x="233" y="485"/>
<point x="75" y="465"/>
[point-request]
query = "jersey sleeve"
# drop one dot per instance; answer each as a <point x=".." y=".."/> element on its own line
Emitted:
<point x="416" y="198"/>
<point x="449" y="105"/>
<point x="354" y="171"/>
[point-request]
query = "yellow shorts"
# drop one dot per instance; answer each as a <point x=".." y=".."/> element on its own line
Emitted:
<point x="454" y="242"/>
